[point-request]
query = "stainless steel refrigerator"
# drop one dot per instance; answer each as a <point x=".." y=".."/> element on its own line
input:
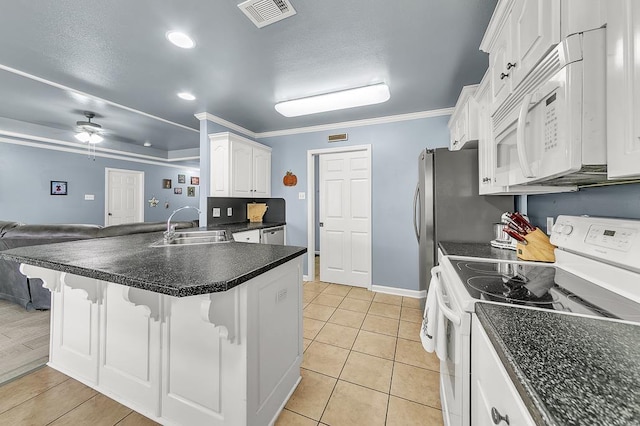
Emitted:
<point x="447" y="206"/>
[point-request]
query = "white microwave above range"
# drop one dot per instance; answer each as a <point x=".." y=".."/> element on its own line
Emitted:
<point x="552" y="128"/>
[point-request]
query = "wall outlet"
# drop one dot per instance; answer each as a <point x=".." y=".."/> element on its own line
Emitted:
<point x="301" y="195"/>
<point x="229" y="211"/>
<point x="549" y="224"/>
<point x="89" y="197"/>
<point x="216" y="212"/>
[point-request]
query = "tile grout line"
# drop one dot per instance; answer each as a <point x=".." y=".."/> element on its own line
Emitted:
<point x="341" y="370"/>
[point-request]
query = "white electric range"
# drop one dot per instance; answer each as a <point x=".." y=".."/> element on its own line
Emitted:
<point x="596" y="273"/>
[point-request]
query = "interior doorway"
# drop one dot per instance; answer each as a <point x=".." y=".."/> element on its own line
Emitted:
<point x="341" y="217"/>
<point x="124" y="196"/>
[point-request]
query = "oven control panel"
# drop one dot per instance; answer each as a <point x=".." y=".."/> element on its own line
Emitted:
<point x="613" y="240"/>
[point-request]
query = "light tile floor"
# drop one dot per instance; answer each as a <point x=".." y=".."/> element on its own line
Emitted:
<point x="363" y="363"/>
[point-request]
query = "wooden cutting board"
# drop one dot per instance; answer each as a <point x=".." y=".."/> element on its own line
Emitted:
<point x="255" y="211"/>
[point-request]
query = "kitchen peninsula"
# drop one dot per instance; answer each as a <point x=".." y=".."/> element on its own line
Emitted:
<point x="195" y="334"/>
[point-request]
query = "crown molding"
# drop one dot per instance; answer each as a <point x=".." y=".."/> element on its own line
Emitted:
<point x="358" y="123"/>
<point x="60" y="145"/>
<point x="221" y="121"/>
<point x="90" y="96"/>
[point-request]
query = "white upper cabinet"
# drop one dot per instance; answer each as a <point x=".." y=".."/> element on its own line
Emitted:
<point x="239" y="167"/>
<point x="520" y="33"/>
<point x="623" y="89"/>
<point x="536" y="29"/>
<point x="463" y="124"/>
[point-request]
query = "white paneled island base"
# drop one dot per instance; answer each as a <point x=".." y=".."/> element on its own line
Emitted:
<point x="226" y="358"/>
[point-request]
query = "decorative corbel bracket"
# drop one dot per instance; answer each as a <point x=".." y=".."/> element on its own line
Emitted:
<point x="148" y="300"/>
<point x="222" y="309"/>
<point x="89" y="286"/>
<point x="50" y="278"/>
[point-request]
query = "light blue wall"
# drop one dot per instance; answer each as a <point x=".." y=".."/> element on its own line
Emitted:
<point x="621" y="201"/>
<point x="395" y="149"/>
<point x="25" y="173"/>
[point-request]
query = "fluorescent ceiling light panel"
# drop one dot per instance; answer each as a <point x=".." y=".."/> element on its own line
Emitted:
<point x="180" y="39"/>
<point x="186" y="96"/>
<point x="367" y="95"/>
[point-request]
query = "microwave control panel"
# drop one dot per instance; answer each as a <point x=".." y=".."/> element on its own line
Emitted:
<point x="550" y="123"/>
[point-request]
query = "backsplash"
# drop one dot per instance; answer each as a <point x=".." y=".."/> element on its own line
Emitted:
<point x="275" y="211"/>
<point x="621" y="201"/>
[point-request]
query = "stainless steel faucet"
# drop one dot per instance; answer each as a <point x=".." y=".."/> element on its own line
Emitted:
<point x="169" y="233"/>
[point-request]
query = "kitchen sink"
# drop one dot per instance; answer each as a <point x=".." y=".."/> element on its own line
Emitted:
<point x="187" y="238"/>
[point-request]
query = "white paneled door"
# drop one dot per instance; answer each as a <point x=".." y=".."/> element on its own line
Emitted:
<point x="345" y="219"/>
<point x="124" y="196"/>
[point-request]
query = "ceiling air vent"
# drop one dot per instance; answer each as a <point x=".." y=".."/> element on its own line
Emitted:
<point x="265" y="12"/>
<point x="340" y="137"/>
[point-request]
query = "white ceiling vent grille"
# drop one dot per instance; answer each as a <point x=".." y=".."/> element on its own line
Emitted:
<point x="265" y="12"/>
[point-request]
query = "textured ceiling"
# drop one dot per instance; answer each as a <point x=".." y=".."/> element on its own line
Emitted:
<point x="116" y="50"/>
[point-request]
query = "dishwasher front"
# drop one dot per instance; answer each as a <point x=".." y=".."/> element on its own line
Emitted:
<point x="272" y="235"/>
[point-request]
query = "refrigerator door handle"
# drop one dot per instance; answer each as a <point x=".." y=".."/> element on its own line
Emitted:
<point x="415" y="203"/>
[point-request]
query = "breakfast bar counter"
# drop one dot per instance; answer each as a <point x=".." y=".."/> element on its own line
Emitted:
<point x="184" y="334"/>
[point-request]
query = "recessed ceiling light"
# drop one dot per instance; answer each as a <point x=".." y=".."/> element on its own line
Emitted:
<point x="181" y="39"/>
<point x="186" y="96"/>
<point x="147" y="144"/>
<point x="367" y="95"/>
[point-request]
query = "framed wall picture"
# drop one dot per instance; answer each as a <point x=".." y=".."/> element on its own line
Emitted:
<point x="166" y="183"/>
<point x="182" y="179"/>
<point x="191" y="191"/>
<point x="195" y="180"/>
<point x="177" y="190"/>
<point x="58" y="187"/>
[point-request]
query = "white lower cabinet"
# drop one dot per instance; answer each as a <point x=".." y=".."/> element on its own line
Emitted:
<point x="494" y="398"/>
<point x="225" y="358"/>
<point x="252" y="236"/>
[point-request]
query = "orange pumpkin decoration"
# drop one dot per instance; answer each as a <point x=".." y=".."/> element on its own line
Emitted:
<point x="290" y="179"/>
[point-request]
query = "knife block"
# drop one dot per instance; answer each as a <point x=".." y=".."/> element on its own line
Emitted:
<point x="538" y="247"/>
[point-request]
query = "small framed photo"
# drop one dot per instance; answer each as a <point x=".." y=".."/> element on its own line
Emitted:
<point x="58" y="187"/>
<point x="191" y="191"/>
<point x="195" y="180"/>
<point x="166" y="183"/>
<point x="182" y="179"/>
<point x="177" y="190"/>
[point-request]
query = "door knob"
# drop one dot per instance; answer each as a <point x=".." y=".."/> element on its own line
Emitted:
<point x="109" y="214"/>
<point x="321" y="225"/>
<point x="503" y="75"/>
<point x="510" y="65"/>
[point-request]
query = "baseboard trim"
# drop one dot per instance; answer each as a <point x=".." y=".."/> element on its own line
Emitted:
<point x="305" y="278"/>
<point x="416" y="294"/>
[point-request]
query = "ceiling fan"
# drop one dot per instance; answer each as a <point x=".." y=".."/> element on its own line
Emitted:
<point x="89" y="131"/>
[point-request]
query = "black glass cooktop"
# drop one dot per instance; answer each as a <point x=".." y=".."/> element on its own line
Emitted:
<point x="542" y="286"/>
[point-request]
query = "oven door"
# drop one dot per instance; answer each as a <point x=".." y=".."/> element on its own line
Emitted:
<point x="455" y="358"/>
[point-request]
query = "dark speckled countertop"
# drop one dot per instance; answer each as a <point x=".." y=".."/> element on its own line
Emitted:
<point x="245" y="226"/>
<point x="476" y="250"/>
<point x="175" y="270"/>
<point x="568" y="369"/>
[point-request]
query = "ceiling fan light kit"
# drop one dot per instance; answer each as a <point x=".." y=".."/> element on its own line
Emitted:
<point x="350" y="98"/>
<point x="89" y="131"/>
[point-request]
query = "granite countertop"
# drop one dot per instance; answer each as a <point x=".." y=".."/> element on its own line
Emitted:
<point x="179" y="271"/>
<point x="568" y="369"/>
<point x="484" y="250"/>
<point x="245" y="226"/>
